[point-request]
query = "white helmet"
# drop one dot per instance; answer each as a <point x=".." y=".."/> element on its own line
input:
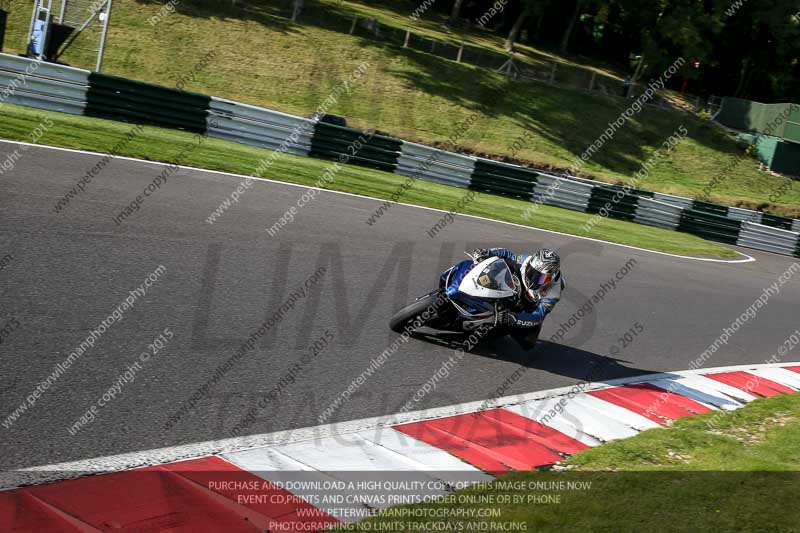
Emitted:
<point x="539" y="270"/>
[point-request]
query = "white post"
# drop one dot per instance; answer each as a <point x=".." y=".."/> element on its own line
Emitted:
<point x="103" y="37"/>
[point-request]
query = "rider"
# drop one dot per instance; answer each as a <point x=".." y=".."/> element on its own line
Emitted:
<point x="542" y="283"/>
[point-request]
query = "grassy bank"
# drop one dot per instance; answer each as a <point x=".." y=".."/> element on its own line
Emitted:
<point x="736" y="471"/>
<point x="265" y="59"/>
<point x="165" y="145"/>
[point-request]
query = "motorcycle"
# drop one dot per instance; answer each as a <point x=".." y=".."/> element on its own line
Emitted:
<point x="471" y="295"/>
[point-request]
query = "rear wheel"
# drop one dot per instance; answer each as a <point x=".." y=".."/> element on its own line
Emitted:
<point x="406" y="317"/>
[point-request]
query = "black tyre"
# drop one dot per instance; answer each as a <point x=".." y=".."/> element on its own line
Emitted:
<point x="405" y="317"/>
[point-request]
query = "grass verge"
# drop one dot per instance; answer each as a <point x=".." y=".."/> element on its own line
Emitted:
<point x="264" y="59"/>
<point x="173" y="146"/>
<point x="737" y="471"/>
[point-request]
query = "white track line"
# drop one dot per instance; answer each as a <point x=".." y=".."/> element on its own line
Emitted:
<point x="126" y="461"/>
<point x="747" y="258"/>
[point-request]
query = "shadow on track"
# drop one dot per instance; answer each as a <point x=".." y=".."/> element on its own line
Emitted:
<point x="548" y="356"/>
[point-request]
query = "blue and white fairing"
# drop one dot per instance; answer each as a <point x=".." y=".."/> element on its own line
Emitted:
<point x="477" y="290"/>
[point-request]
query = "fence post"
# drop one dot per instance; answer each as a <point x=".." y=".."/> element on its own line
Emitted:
<point x="353" y="26"/>
<point x="433" y="45"/>
<point x="408" y="38"/>
<point x="591" y="81"/>
<point x="553" y="73"/>
<point x="460" y="51"/>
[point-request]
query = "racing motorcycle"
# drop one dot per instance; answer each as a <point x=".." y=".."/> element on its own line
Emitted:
<point x="471" y="295"/>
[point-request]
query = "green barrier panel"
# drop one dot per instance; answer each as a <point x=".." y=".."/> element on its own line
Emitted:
<point x="339" y="146"/>
<point x="141" y="101"/>
<point x="797" y="250"/>
<point x="709" y="226"/>
<point x="631" y="191"/>
<point x="500" y="188"/>
<point x="612" y="202"/>
<point x="106" y="105"/>
<point x="612" y="195"/>
<point x="503" y="179"/>
<point x="712" y="219"/>
<point x="359" y="159"/>
<point x="702" y="230"/>
<point x="353" y="160"/>
<point x="149" y="90"/>
<point x="366" y="156"/>
<point x="495" y="187"/>
<point x="329" y="150"/>
<point x="708" y="207"/>
<point x="333" y="142"/>
<point x="134" y="101"/>
<point x="503" y="170"/>
<point x="776" y="221"/>
<point x="620" y="214"/>
<point x="500" y="175"/>
<point x="143" y="117"/>
<point x="349" y="134"/>
<point x="487" y="179"/>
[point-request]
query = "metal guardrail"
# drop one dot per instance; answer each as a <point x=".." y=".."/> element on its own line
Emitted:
<point x="43" y="85"/>
<point x="769" y="239"/>
<point x="259" y="127"/>
<point x="66" y="89"/>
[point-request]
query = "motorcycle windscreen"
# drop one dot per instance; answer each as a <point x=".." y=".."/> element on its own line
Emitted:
<point x="490" y="278"/>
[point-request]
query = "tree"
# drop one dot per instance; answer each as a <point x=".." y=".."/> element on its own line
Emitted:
<point x="570" y="26"/>
<point x="513" y="35"/>
<point x="456" y="11"/>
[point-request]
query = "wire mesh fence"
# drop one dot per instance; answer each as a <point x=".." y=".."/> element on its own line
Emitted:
<point x="76" y="26"/>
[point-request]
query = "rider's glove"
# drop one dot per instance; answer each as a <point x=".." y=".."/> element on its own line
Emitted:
<point x="506" y="318"/>
<point x="479" y="254"/>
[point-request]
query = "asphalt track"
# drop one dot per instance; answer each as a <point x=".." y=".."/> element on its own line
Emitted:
<point x="68" y="271"/>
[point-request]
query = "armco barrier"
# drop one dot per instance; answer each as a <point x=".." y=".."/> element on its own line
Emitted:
<point x="417" y="161"/>
<point x="500" y="178"/>
<point x="769" y="239"/>
<point x="121" y="99"/>
<point x="43" y="85"/>
<point x="66" y="89"/>
<point x="659" y="214"/>
<point x="376" y="151"/>
<point x="259" y="127"/>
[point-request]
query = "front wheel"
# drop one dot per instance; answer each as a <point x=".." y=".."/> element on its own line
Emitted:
<point x="420" y="311"/>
